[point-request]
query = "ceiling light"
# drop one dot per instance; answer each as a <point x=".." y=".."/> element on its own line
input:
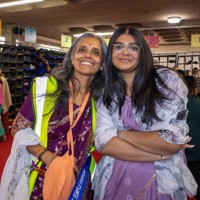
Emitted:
<point x="173" y="20"/>
<point x="2" y="40"/>
<point x="49" y="47"/>
<point x="100" y="34"/>
<point x="15" y="3"/>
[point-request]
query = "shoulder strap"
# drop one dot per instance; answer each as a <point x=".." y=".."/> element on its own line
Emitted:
<point x="71" y="114"/>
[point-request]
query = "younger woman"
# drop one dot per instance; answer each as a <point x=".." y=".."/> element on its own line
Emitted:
<point x="141" y="120"/>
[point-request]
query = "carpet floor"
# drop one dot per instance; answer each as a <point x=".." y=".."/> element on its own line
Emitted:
<point x="5" y="148"/>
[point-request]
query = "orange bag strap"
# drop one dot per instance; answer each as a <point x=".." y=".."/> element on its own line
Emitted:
<point x="71" y="111"/>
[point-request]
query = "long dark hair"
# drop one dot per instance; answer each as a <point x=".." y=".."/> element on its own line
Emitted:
<point x="65" y="73"/>
<point x="145" y="93"/>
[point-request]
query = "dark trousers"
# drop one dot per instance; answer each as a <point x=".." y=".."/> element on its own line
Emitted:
<point x="5" y="121"/>
<point x="194" y="167"/>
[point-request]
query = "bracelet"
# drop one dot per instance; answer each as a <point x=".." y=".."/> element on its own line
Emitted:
<point x="38" y="152"/>
<point x="40" y="155"/>
<point x="162" y="157"/>
<point x="121" y="135"/>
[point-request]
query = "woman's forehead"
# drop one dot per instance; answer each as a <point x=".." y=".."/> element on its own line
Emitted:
<point x="90" y="42"/>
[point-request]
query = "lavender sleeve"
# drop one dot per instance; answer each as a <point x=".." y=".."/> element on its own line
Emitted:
<point x="105" y="129"/>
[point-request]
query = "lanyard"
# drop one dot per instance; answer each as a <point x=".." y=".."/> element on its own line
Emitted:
<point x="78" y="189"/>
<point x="71" y="122"/>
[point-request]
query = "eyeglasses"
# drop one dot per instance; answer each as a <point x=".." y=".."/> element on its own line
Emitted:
<point x="119" y="47"/>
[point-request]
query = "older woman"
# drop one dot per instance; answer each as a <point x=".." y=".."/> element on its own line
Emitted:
<point x="80" y="77"/>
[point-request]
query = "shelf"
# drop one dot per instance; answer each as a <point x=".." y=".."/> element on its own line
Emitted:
<point x="181" y="61"/>
<point x="20" y="65"/>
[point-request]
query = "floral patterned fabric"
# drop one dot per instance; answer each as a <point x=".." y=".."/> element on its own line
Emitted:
<point x="14" y="181"/>
<point x="57" y="140"/>
<point x="161" y="180"/>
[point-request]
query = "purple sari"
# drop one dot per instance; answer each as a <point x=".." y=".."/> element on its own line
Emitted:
<point x="132" y="180"/>
<point x="57" y="140"/>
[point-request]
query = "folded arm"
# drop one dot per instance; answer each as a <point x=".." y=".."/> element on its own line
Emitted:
<point x="122" y="150"/>
<point x="150" y="142"/>
<point x="108" y="142"/>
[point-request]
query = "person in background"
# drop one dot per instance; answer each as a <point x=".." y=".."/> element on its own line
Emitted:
<point x="42" y="64"/>
<point x="7" y="102"/>
<point x="193" y="106"/>
<point x="141" y="126"/>
<point x="195" y="73"/>
<point x="2" y="130"/>
<point x="181" y="72"/>
<point x="45" y="61"/>
<point x="187" y="72"/>
<point x="80" y="77"/>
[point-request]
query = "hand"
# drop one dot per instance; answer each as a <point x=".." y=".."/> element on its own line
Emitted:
<point x="46" y="62"/>
<point x="166" y="157"/>
<point x="48" y="68"/>
<point x="188" y="146"/>
<point x="48" y="157"/>
<point x="76" y="169"/>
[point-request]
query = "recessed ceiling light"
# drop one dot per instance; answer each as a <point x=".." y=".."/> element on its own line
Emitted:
<point x="15" y="3"/>
<point x="173" y="19"/>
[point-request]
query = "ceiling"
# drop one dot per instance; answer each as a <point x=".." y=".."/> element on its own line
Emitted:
<point x="51" y="18"/>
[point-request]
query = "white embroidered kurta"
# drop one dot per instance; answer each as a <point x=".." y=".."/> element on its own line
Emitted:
<point x="14" y="182"/>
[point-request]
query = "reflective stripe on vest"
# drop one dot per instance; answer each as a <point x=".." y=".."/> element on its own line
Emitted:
<point x="96" y="156"/>
<point x="40" y="89"/>
<point x="43" y="107"/>
<point x="93" y="163"/>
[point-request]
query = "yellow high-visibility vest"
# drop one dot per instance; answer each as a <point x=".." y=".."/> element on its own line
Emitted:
<point x="43" y="107"/>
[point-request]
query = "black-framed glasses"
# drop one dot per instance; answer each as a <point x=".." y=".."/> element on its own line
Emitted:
<point x="132" y="47"/>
